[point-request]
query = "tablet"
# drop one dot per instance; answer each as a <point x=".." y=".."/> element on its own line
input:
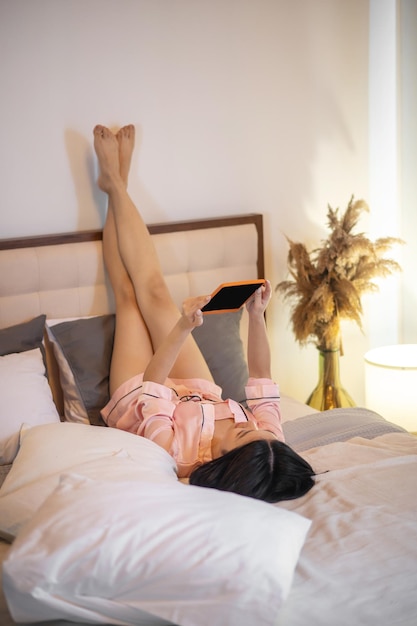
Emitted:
<point x="231" y="296"/>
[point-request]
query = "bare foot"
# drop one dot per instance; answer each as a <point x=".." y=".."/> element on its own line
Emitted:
<point x="126" y="139"/>
<point x="107" y="150"/>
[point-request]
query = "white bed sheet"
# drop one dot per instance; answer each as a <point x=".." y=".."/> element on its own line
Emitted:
<point x="359" y="563"/>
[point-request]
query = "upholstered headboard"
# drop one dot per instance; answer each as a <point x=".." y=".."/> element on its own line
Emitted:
<point x="63" y="275"/>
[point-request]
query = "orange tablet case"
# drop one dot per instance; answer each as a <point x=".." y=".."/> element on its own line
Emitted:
<point x="231" y="296"/>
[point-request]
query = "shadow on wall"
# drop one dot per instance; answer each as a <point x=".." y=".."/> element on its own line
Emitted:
<point x="84" y="173"/>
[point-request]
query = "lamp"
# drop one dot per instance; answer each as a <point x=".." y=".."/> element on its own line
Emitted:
<point x="391" y="383"/>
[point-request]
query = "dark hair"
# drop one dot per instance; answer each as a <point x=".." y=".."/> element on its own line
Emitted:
<point x="264" y="469"/>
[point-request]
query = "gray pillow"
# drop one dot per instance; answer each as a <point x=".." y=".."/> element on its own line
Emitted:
<point x="322" y="428"/>
<point x="87" y="346"/>
<point x="219" y="341"/>
<point x="22" y="337"/>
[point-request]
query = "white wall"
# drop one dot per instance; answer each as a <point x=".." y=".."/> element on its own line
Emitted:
<point x="407" y="51"/>
<point x="242" y="105"/>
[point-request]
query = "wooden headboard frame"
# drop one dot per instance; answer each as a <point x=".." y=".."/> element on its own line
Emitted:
<point x="155" y="229"/>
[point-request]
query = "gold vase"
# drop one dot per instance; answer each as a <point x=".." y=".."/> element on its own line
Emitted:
<point x="329" y="393"/>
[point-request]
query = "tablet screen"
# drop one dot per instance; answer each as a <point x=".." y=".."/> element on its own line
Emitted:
<point x="231" y="296"/>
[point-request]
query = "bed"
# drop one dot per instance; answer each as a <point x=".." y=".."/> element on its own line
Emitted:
<point x="94" y="525"/>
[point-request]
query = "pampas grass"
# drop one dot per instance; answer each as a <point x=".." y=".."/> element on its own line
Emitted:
<point x="327" y="284"/>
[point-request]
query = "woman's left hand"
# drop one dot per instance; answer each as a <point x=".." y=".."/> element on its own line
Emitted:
<point x="257" y="303"/>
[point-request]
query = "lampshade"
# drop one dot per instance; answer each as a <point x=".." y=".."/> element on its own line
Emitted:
<point x="391" y="383"/>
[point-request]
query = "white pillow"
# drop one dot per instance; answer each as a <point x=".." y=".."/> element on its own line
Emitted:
<point x="48" y="451"/>
<point x="292" y="409"/>
<point x="25" y="398"/>
<point x="153" y="554"/>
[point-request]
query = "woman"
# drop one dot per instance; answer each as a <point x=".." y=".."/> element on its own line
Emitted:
<point x="175" y="402"/>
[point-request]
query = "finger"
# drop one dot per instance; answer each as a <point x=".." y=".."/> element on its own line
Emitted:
<point x="201" y="301"/>
<point x="198" y="317"/>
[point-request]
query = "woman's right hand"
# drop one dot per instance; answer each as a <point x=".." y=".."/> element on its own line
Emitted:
<point x="191" y="310"/>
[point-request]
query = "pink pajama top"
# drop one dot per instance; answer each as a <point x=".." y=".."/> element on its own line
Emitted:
<point x="180" y="415"/>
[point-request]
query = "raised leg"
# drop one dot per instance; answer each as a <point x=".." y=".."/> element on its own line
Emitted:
<point x="140" y="260"/>
<point x="132" y="347"/>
